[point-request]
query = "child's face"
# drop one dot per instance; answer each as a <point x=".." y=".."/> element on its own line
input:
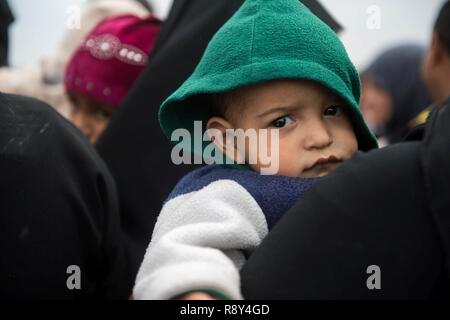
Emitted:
<point x="376" y="105"/>
<point x="89" y="115"/>
<point x="311" y="122"/>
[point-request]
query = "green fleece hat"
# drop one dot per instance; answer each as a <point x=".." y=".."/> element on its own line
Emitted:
<point x="267" y="40"/>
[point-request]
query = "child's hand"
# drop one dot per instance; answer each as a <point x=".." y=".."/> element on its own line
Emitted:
<point x="197" y="296"/>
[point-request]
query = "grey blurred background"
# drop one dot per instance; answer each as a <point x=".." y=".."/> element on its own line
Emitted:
<point x="40" y="24"/>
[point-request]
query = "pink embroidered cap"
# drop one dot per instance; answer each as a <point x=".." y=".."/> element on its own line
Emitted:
<point x="111" y="58"/>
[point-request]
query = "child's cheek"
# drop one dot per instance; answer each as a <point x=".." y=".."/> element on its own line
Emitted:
<point x="290" y="162"/>
<point x="288" y="165"/>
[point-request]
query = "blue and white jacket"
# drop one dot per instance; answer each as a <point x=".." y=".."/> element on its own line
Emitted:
<point x="213" y="219"/>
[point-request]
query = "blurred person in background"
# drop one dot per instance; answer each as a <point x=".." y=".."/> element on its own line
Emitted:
<point x="104" y="68"/>
<point x="393" y="92"/>
<point x="436" y="65"/>
<point x="6" y="18"/>
<point x="44" y="80"/>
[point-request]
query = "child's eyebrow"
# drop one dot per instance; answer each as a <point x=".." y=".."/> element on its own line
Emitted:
<point x="278" y="110"/>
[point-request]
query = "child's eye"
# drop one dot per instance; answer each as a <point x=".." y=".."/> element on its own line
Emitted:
<point x="100" y="114"/>
<point x="333" y="111"/>
<point x="74" y="103"/>
<point x="282" y="122"/>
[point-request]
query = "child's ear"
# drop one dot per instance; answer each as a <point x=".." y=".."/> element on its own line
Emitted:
<point x="217" y="131"/>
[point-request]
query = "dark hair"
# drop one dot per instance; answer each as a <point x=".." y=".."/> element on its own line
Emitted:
<point x="219" y="105"/>
<point x="220" y="102"/>
<point x="442" y="25"/>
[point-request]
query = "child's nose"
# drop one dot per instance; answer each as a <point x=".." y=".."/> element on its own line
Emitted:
<point x="318" y="136"/>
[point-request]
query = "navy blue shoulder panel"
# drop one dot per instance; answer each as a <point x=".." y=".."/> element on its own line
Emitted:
<point x="274" y="194"/>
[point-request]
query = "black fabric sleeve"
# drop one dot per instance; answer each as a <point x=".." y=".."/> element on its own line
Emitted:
<point x="435" y="156"/>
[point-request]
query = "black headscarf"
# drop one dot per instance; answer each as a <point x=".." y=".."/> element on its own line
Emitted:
<point x="6" y="18"/>
<point x="397" y="71"/>
<point x="133" y="146"/>
<point x="58" y="208"/>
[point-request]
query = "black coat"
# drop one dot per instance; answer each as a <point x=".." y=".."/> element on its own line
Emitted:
<point x="58" y="208"/>
<point x="389" y="207"/>
<point x="133" y="146"/>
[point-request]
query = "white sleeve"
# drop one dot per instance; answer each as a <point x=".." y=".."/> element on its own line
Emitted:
<point x="198" y="242"/>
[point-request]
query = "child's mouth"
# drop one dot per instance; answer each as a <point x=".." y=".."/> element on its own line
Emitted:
<point x="324" y="161"/>
<point x="322" y="167"/>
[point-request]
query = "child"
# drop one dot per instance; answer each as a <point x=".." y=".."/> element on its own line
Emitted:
<point x="104" y="68"/>
<point x="274" y="66"/>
